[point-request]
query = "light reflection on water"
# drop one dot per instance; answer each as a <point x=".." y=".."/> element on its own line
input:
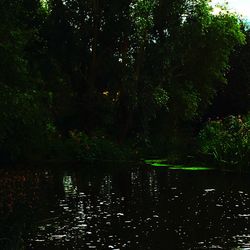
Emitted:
<point x="70" y="187"/>
<point x="146" y="209"/>
<point x="153" y="185"/>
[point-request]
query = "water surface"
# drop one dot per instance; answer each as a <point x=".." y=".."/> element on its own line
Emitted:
<point x="100" y="207"/>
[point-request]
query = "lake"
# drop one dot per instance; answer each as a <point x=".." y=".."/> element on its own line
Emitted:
<point x="123" y="207"/>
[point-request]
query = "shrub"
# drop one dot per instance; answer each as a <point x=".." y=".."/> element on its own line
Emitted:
<point x="96" y="147"/>
<point x="23" y="121"/>
<point x="227" y="140"/>
<point x="80" y="146"/>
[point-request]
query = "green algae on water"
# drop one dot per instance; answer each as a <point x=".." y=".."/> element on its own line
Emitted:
<point x="187" y="168"/>
<point x="161" y="165"/>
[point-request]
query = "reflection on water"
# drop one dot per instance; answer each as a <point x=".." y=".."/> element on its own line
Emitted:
<point x="105" y="190"/>
<point x="153" y="185"/>
<point x="137" y="208"/>
<point x="69" y="187"/>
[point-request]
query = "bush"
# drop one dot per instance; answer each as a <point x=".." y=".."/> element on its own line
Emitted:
<point x="80" y="146"/>
<point x="227" y="140"/>
<point x="23" y="124"/>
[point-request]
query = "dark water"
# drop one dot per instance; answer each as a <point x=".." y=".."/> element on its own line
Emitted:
<point x="124" y="208"/>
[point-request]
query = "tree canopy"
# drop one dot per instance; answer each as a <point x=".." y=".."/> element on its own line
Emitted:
<point x="131" y="69"/>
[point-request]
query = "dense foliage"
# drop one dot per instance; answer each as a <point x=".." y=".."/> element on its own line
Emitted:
<point x="80" y="79"/>
<point x="228" y="140"/>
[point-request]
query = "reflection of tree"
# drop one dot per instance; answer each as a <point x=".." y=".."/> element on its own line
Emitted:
<point x="69" y="185"/>
<point x="21" y="188"/>
<point x="136" y="185"/>
<point x="141" y="182"/>
<point x="83" y="210"/>
<point x="153" y="185"/>
<point x="21" y="192"/>
<point x="105" y="189"/>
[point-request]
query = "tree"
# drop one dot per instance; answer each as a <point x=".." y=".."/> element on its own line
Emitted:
<point x="23" y="109"/>
<point x="234" y="97"/>
<point x="128" y="68"/>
